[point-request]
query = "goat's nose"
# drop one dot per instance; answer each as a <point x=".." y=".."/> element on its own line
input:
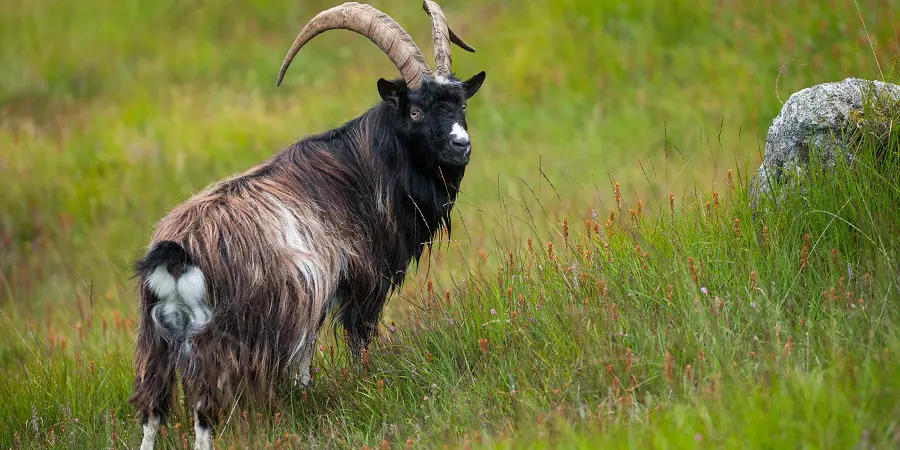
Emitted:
<point x="459" y="137"/>
<point x="460" y="142"/>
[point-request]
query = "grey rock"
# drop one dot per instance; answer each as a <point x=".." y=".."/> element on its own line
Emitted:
<point x="819" y="116"/>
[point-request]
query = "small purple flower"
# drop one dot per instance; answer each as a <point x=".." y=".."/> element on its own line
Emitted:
<point x="393" y="328"/>
<point x="698" y="437"/>
<point x="850" y="271"/>
<point x="704" y="290"/>
<point x="493" y="312"/>
<point x="316" y="370"/>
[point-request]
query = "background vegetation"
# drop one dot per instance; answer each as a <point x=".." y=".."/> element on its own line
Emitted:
<point x="679" y="325"/>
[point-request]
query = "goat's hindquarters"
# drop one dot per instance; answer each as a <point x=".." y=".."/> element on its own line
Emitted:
<point x="173" y="310"/>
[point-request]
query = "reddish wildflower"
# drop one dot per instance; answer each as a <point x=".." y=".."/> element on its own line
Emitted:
<point x="597" y="228"/>
<point x="618" y="197"/>
<point x="530" y="247"/>
<point x="566" y="230"/>
<point x="788" y="347"/>
<point x="716" y="199"/>
<point x="385" y="445"/>
<point x="730" y="181"/>
<point x="669" y="293"/>
<point x="737" y="227"/>
<point x="409" y="444"/>
<point x="693" y="270"/>
<point x="701" y="356"/>
<point x="835" y="259"/>
<point x="381" y="386"/>
<point x="429" y="356"/>
<point x="707" y="208"/>
<point x="483" y="344"/>
<point x="550" y="251"/>
<point x="765" y="235"/>
<point x="430" y="289"/>
<point x="672" y="202"/>
<point x="753" y="282"/>
<point x="614" y="313"/>
<point x="669" y="368"/>
<point x="612" y="215"/>
<point x="447" y="297"/>
<point x="183" y="435"/>
<point x="365" y="357"/>
<point x="629" y="360"/>
<point x="804" y="253"/>
<point x="640" y="208"/>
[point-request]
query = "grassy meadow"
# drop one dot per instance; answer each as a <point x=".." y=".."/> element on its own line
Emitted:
<point x="606" y="284"/>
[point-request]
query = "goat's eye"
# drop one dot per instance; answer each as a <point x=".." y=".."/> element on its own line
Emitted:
<point x="464" y="106"/>
<point x="415" y="113"/>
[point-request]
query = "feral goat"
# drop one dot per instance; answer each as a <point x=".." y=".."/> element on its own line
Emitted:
<point x="238" y="279"/>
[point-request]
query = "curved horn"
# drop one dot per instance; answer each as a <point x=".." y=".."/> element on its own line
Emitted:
<point x="380" y="28"/>
<point x="442" y="36"/>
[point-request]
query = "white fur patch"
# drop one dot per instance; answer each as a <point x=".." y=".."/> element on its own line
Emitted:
<point x="150" y="430"/>
<point x="444" y="80"/>
<point x="294" y="240"/>
<point x="161" y="283"/>
<point x="192" y="289"/>
<point x="299" y="348"/>
<point x="182" y="303"/>
<point x="203" y="439"/>
<point x="458" y="132"/>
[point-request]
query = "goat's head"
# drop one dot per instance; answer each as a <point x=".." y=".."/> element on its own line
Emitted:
<point x="429" y="107"/>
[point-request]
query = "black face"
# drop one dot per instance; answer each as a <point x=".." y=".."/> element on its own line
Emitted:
<point x="433" y="118"/>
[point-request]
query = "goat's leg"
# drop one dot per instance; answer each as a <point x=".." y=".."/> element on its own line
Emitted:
<point x="153" y="384"/>
<point x="200" y="380"/>
<point x="360" y="325"/>
<point x="151" y="425"/>
<point x="203" y="430"/>
<point x="200" y="398"/>
<point x="302" y="376"/>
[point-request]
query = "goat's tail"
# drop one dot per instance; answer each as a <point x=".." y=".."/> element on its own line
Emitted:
<point x="177" y="292"/>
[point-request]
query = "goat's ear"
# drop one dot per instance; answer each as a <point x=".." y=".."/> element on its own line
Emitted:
<point x="472" y="85"/>
<point x="391" y="92"/>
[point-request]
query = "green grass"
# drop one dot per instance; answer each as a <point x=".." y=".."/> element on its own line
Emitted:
<point x="113" y="112"/>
